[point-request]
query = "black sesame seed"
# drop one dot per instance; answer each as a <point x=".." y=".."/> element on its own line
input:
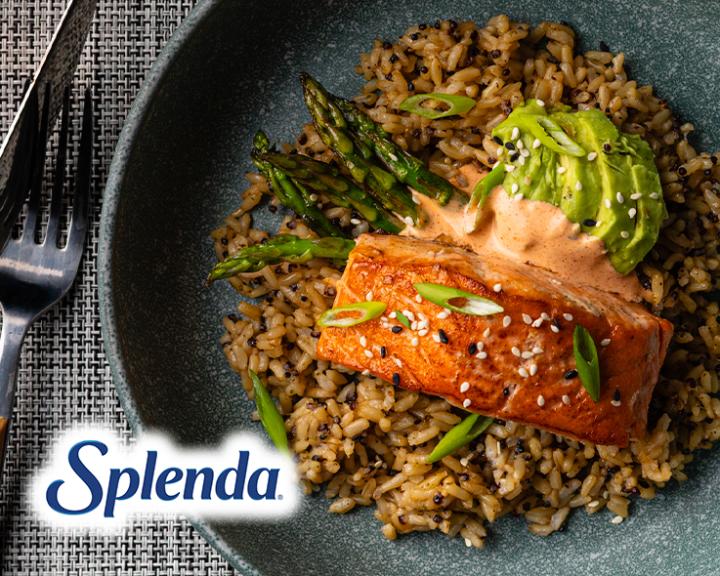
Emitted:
<point x="491" y="159"/>
<point x="589" y="222"/>
<point x="607" y="147"/>
<point x="410" y="86"/>
<point x="394" y="58"/>
<point x="437" y="518"/>
<point x="509" y="145"/>
<point x="497" y="140"/>
<point x="506" y="72"/>
<point x="570" y="374"/>
<point x="437" y="24"/>
<point x="644" y="279"/>
<point x="616" y="395"/>
<point x="555" y="322"/>
<point x="519" y="449"/>
<point x="396" y="329"/>
<point x="472" y="349"/>
<point x="303" y="298"/>
<point x="288" y="374"/>
<point x="506" y="391"/>
<point x="707" y="172"/>
<point x="416" y="132"/>
<point x="514" y="156"/>
<point x="495" y="54"/>
<point x="396" y="379"/>
<point x="383" y="351"/>
<point x="443" y="336"/>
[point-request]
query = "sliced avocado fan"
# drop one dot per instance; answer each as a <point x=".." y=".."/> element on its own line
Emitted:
<point x="601" y="178"/>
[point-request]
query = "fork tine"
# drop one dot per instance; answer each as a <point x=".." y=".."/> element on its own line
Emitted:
<point x="53" y="228"/>
<point x="78" y="224"/>
<point x="38" y="170"/>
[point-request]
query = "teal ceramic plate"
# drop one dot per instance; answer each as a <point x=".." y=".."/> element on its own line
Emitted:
<point x="178" y="170"/>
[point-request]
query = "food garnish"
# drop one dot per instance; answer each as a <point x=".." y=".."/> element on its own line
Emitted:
<point x="587" y="361"/>
<point x="351" y="314"/>
<point x="402" y="319"/>
<point x="457" y="300"/>
<point x="460" y="435"/>
<point x="270" y="416"/>
<point x="458" y="105"/>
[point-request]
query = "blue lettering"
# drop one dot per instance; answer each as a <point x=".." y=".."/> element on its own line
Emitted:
<point x="192" y="475"/>
<point x="240" y="474"/>
<point x="169" y="476"/>
<point x="270" y="488"/>
<point x="84" y="474"/>
<point x="114" y="484"/>
<point x="150" y="463"/>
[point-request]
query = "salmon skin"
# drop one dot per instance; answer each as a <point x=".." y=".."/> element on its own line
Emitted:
<point x="516" y="365"/>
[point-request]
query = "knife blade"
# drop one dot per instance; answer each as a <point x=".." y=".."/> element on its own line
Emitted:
<point x="56" y="69"/>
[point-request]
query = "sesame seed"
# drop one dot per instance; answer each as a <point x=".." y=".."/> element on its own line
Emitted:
<point x="365" y="372"/>
<point x="540" y="102"/>
<point x="570" y="374"/>
<point x="554" y="328"/>
<point x="620" y="198"/>
<point x="561" y="169"/>
<point x="578" y="185"/>
<point x="423" y="332"/>
<point x="541" y="400"/>
<point x="369" y="296"/>
<point x="418" y="298"/>
<point x="466" y="403"/>
<point x="464" y="387"/>
<point x="616" y="403"/>
<point x="518" y="196"/>
<point x="468" y="542"/>
<point x="654" y="195"/>
<point x="396" y="379"/>
<point x="520" y="145"/>
<point x="635" y="196"/>
<point x="486" y="332"/>
<point x="568" y="316"/>
<point x="521" y="160"/>
<point x="383" y="351"/>
<point x="527" y="318"/>
<point x="545" y="316"/>
<point x="566" y="399"/>
<point x="472" y="349"/>
<point x="363" y="341"/>
<point x="313" y="197"/>
<point x="537" y="323"/>
<point x="607" y="202"/>
<point x="605" y="342"/>
<point x="524" y="152"/>
<point x="617" y="520"/>
<point x="523" y="372"/>
<point x="436" y="338"/>
<point x="533" y="369"/>
<point x="526" y="355"/>
<point x="414" y="325"/>
<point x="398" y="362"/>
<point x="396" y="329"/>
<point x="594" y="504"/>
<point x="509" y="167"/>
<point x="392" y="315"/>
<point x="537" y="350"/>
<point x="409" y="315"/>
<point x="632" y="212"/>
<point x="625" y="234"/>
<point x="497" y="287"/>
<point x="506" y="321"/>
<point x="368" y="353"/>
<point x="506" y="391"/>
<point x="514" y="188"/>
<point x="515" y="133"/>
<point x="516" y="351"/>
<point x="414" y="341"/>
<point x="481" y="345"/>
<point x="481" y="355"/>
<point x="592" y="156"/>
<point x="499" y="151"/>
<point x="444" y="314"/>
<point x="354" y="221"/>
<point x="443" y="336"/>
<point x="536" y="143"/>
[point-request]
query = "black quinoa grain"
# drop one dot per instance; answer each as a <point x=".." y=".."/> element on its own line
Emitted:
<point x="437" y="518"/>
<point x="424" y="70"/>
<point x="604" y="47"/>
<point x="472" y="349"/>
<point x="315" y="334"/>
<point x="570" y="374"/>
<point x="589" y="222"/>
<point x="452" y="25"/>
<point x="491" y="159"/>
<point x="438" y="498"/>
<point x="682" y="170"/>
<point x="414" y="36"/>
<point x="443" y="336"/>
<point x="292" y="225"/>
<point x="396" y="329"/>
<point x="394" y="58"/>
<point x="422" y="26"/>
<point x="389" y="76"/>
<point x="387" y="45"/>
<point x="410" y="86"/>
<point x="506" y="72"/>
<point x="383" y="351"/>
<point x="396" y="379"/>
<point x="473" y="51"/>
<point x="272" y="208"/>
<point x="303" y="298"/>
<point x="437" y="25"/>
<point x="644" y="280"/>
<point x="707" y="172"/>
<point x="252" y="342"/>
<point x="495" y="53"/>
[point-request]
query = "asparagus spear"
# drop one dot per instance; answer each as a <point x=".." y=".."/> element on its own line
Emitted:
<point x="326" y="178"/>
<point x="290" y="194"/>
<point x="281" y="248"/>
<point x="407" y="168"/>
<point x="354" y="153"/>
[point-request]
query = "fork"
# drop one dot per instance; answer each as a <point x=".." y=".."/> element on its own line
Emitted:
<point x="35" y="275"/>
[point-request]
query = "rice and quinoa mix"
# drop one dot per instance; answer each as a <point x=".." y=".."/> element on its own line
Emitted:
<point x="361" y="440"/>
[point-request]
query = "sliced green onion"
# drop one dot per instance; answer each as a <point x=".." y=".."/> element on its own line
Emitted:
<point x="587" y="361"/>
<point x="566" y="144"/>
<point x="458" y="105"/>
<point x="459" y="435"/>
<point x="483" y="188"/>
<point x="351" y="314"/>
<point x="402" y="319"/>
<point x="270" y="416"/>
<point x="467" y="303"/>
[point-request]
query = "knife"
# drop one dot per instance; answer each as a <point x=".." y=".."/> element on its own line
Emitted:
<point x="56" y="69"/>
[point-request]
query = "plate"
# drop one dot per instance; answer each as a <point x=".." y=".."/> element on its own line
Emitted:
<point x="179" y="168"/>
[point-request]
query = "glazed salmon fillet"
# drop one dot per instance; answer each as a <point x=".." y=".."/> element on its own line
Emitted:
<point x="516" y="365"/>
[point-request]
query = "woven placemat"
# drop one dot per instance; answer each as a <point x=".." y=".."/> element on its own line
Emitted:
<point x="64" y="377"/>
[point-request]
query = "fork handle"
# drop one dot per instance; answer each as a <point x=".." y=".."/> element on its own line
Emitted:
<point x="13" y="333"/>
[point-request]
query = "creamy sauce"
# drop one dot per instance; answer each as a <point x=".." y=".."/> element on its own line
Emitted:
<point x="528" y="232"/>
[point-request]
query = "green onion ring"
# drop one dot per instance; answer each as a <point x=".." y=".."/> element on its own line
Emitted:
<point x="587" y="361"/>
<point x="442" y="295"/>
<point x="367" y="311"/>
<point x="459" y="105"/>
<point x="458" y="436"/>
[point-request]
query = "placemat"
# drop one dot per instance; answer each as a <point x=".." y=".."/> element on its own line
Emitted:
<point x="64" y="377"/>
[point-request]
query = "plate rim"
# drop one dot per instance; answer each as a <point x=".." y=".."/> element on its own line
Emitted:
<point x="111" y="195"/>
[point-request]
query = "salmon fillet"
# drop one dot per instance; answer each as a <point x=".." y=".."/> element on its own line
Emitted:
<point x="516" y="365"/>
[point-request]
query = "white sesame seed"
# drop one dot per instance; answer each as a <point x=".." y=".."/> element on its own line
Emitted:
<point x="520" y="145"/>
<point x="620" y="198"/>
<point x="607" y="202"/>
<point x="423" y="324"/>
<point x="578" y="185"/>
<point x="423" y="332"/>
<point x="561" y="169"/>
<point x="436" y="338"/>
<point x="592" y="156"/>
<point x="398" y="362"/>
<point x="497" y="287"/>
<point x="516" y="351"/>
<point x="368" y="353"/>
<point x="540" y="102"/>
<point x="605" y="342"/>
<point x="414" y="325"/>
<point x="616" y="403"/>
<point x="515" y="133"/>
<point x="635" y="196"/>
<point x="481" y="355"/>
<point x="418" y="298"/>
<point x="486" y="332"/>
<point x="536" y="143"/>
<point x="654" y="195"/>
<point x="568" y="316"/>
<point x="444" y="314"/>
<point x="514" y="188"/>
<point x="506" y="321"/>
<point x="537" y="350"/>
<point x="527" y="318"/>
<point x="525" y="153"/>
<point x="537" y="323"/>
<point x="521" y="160"/>
<point x="632" y="212"/>
<point x="533" y="369"/>
<point x="466" y="403"/>
<point x="363" y="341"/>
<point x="464" y="462"/>
<point x="554" y="328"/>
<point x="354" y="221"/>
<point x="392" y="315"/>
<point x="365" y="372"/>
<point x="464" y="387"/>
<point x="480" y="345"/>
<point x="313" y="197"/>
<point x="409" y="315"/>
<point x="414" y="341"/>
<point x="625" y="234"/>
<point x="541" y="400"/>
<point x="468" y="542"/>
<point x="500" y="151"/>
<point x="545" y="316"/>
<point x="523" y="372"/>
<point x="496" y="164"/>
<point x="617" y="520"/>
<point x="518" y="196"/>
<point x="509" y="167"/>
<point x="369" y="296"/>
<point x="566" y="399"/>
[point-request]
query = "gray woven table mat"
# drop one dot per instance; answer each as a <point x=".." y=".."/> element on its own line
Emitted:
<point x="64" y="377"/>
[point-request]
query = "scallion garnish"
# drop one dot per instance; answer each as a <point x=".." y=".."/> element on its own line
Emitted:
<point x="459" y="435"/>
<point x="565" y="144"/>
<point x="483" y="188"/>
<point x="457" y="300"/>
<point x="587" y="361"/>
<point x="351" y="314"/>
<point x="402" y="319"/>
<point x="270" y="416"/>
<point x="458" y="105"/>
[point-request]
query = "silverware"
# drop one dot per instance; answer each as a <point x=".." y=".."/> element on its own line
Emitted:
<point x="56" y="69"/>
<point x="35" y="275"/>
